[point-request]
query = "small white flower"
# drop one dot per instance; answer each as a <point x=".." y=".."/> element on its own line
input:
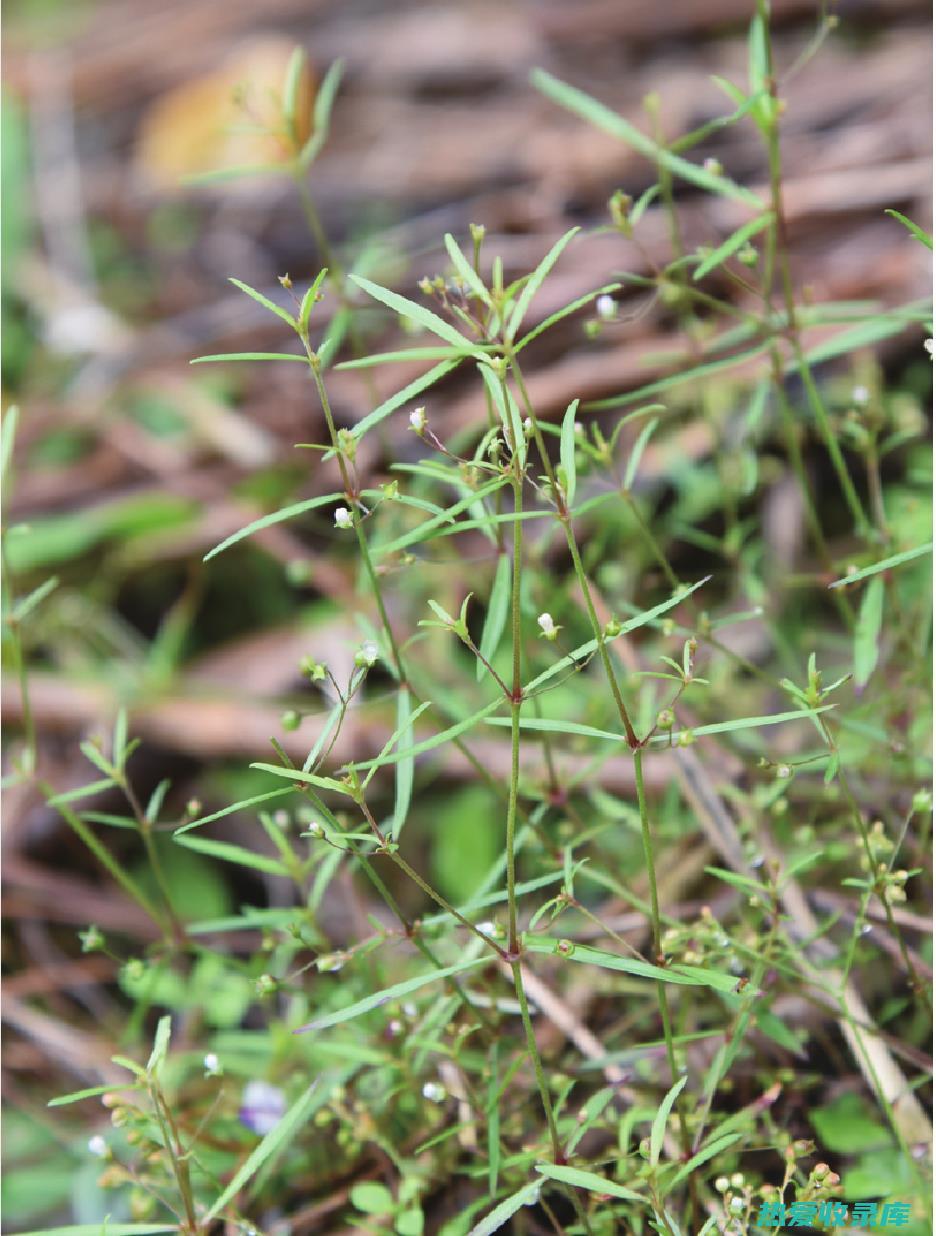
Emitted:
<point x="861" y="395"/>
<point x="528" y="425"/>
<point x="712" y="166"/>
<point x="928" y="344"/>
<point x="606" y="307"/>
<point x="409" y="1008"/>
<point x="212" y="1065"/>
<point x="547" y="626"/>
<point x="486" y="928"/>
<point x="417" y="419"/>
<point x="736" y="1205"/>
<point x="315" y="829"/>
<point x="433" y="1092"/>
<point x="737" y="1180"/>
<point x="343" y="518"/>
<point x="721" y="1184"/>
<point x="367" y="654"/>
<point x="97" y="1146"/>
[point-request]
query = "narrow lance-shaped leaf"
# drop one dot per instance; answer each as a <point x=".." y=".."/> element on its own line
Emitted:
<point x="884" y="565"/>
<point x="291" y="84"/>
<point x="913" y="228"/>
<point x="248" y="356"/>
<point x="588" y="1180"/>
<point x="636" y="454"/>
<point x="7" y="438"/>
<point x="160" y="1045"/>
<point x="396" y="992"/>
<point x="567" y="450"/>
<point x="410" y="309"/>
<point x="278" y="1137"/>
<point x="242" y="805"/>
<point x="507" y="410"/>
<point x="403" y="790"/>
<point x="266" y="302"/>
<point x="734" y="242"/>
<point x="501" y="1214"/>
<point x="229" y="853"/>
<point x="868" y="630"/>
<point x="533" y="284"/>
<point x="610" y="122"/>
<point x="573" y="305"/>
<point x="466" y="271"/>
<point x="321" y="114"/>
<point x="496" y="618"/>
<point x="309" y="300"/>
<point x="416" y="387"/>
<point x="266" y="521"/>
<point x="437" y="740"/>
<point x="658" y="1128"/>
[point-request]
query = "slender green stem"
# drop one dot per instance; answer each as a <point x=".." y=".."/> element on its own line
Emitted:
<point x="534" y="1055"/>
<point x="564" y="516"/>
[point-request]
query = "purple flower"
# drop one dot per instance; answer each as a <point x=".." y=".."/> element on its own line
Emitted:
<point x="262" y="1107"/>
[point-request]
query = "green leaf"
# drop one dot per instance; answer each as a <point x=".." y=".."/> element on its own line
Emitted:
<point x="567" y="450"/>
<point x="759" y="71"/>
<point x="396" y="992"/>
<point x="732" y="244"/>
<point x="884" y="565"/>
<point x="7" y="437"/>
<point x="92" y="1093"/>
<point x="266" y="302"/>
<point x="658" y="1128"/>
<point x="321" y="115"/>
<point x="533" y="284"/>
<point x="496" y="617"/>
<point x="637" y="453"/>
<point x="219" y="174"/>
<point x="508" y="411"/>
<point x="297" y="62"/>
<point x="426" y="529"/>
<point x="416" y="313"/>
<point x="430" y="744"/>
<point x="309" y="301"/>
<point x="684" y="976"/>
<point x="267" y="521"/>
<point x="416" y="387"/>
<point x="242" y="805"/>
<point x="274" y="1141"/>
<point x="229" y="853"/>
<point x="407" y="354"/>
<point x="160" y="1045"/>
<point x="868" y="630"/>
<point x="403" y="789"/>
<point x="372" y="1198"/>
<point x="564" y="312"/>
<point x="296" y="774"/>
<point x="845" y="1126"/>
<point x="106" y="1228"/>
<point x="466" y="271"/>
<point x="27" y="604"/>
<point x="494" y="1221"/>
<point x="746" y="723"/>
<point x="610" y="122"/>
<point x="708" y="1152"/>
<point x="249" y="356"/>
<point x="632" y="624"/>
<point x="588" y="1180"/>
<point x="913" y="228"/>
<point x="693" y="374"/>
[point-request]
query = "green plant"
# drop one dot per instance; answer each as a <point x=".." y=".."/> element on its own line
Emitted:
<point x="421" y="1064"/>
